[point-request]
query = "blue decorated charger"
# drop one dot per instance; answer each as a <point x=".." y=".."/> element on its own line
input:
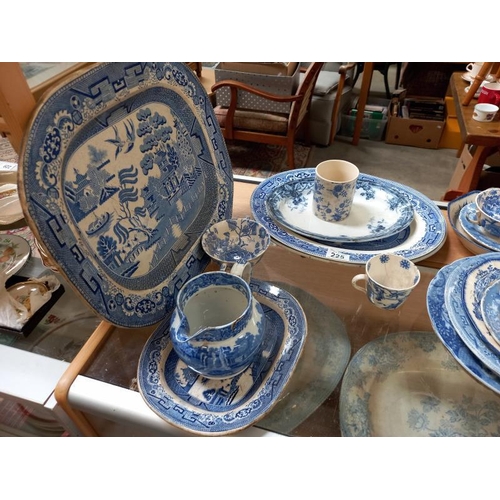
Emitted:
<point x="122" y="169"/>
<point x="490" y="309"/>
<point x="378" y="210"/>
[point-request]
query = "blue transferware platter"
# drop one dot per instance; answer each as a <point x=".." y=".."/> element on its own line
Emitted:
<point x="490" y="309"/>
<point x="475" y="231"/>
<point x="407" y="385"/>
<point x="122" y="169"/>
<point x="444" y="329"/>
<point x="378" y="210"/>
<point x="463" y="297"/>
<point x="453" y="209"/>
<point x="427" y="230"/>
<point x="218" y="407"/>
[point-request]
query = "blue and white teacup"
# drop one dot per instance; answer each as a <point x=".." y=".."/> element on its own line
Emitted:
<point x="488" y="211"/>
<point x="389" y="280"/>
<point x="334" y="188"/>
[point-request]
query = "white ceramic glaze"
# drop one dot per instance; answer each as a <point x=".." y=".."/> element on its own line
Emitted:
<point x="10" y="205"/>
<point x="14" y="253"/>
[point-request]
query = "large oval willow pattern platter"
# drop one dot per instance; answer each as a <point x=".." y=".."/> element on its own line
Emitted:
<point x="122" y="169"/>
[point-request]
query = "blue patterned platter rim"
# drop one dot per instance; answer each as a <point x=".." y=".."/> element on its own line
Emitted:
<point x="14" y="253"/>
<point x="490" y="309"/>
<point x="122" y="169"/>
<point x="476" y="232"/>
<point x="442" y="325"/>
<point x="413" y="371"/>
<point x="217" y="407"/>
<point x="427" y="236"/>
<point x="378" y="210"/>
<point x="453" y="210"/>
<point x="463" y="295"/>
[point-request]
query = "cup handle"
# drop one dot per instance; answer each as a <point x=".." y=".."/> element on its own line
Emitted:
<point x="469" y="67"/>
<point x="357" y="278"/>
<point x="242" y="270"/>
<point x="476" y="220"/>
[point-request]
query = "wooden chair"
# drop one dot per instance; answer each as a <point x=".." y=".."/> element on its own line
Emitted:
<point x="486" y="69"/>
<point x="266" y="127"/>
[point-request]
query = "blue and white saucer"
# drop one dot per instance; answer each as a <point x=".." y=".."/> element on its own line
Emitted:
<point x="490" y="309"/>
<point x="427" y="230"/>
<point x="444" y="329"/>
<point x="217" y="407"/>
<point x="378" y="211"/>
<point x="475" y="231"/>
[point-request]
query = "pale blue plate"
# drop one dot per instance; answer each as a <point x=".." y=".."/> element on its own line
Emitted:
<point x="407" y="385"/>
<point x="427" y="230"/>
<point x="490" y="309"/>
<point x="216" y="407"/>
<point x="444" y="329"/>
<point x="122" y="170"/>
<point x="378" y="211"/>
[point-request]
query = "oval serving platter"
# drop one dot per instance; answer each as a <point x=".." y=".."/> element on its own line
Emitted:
<point x="122" y="169"/>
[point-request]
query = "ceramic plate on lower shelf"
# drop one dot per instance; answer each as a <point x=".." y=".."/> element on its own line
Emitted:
<point x="14" y="253"/>
<point x="490" y="309"/>
<point x="10" y="205"/>
<point x="441" y="323"/>
<point x="427" y="230"/>
<point x="378" y="211"/>
<point x="454" y="208"/>
<point x="463" y="294"/>
<point x="407" y="385"/>
<point x="217" y="407"/>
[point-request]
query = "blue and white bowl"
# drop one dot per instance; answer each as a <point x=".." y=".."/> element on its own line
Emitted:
<point x="488" y="206"/>
<point x="236" y="241"/>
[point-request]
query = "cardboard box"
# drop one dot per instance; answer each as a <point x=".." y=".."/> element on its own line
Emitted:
<point x="276" y="78"/>
<point x="417" y="132"/>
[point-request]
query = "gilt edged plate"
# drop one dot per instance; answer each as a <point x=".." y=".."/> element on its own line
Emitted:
<point x="122" y="169"/>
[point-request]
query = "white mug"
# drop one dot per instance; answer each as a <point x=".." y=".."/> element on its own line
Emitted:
<point x="389" y="280"/>
<point x="473" y="68"/>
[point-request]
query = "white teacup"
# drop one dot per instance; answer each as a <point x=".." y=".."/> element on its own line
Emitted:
<point x="484" y="112"/>
<point x="389" y="280"/>
<point x="473" y="68"/>
<point x="334" y="188"/>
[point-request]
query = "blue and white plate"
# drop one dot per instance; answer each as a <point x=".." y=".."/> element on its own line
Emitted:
<point x="123" y="168"/>
<point x="490" y="309"/>
<point x="454" y="208"/>
<point x="463" y="294"/>
<point x="475" y="231"/>
<point x="217" y="407"/>
<point x="441" y="323"/>
<point x="427" y="230"/>
<point x="407" y="385"/>
<point x="378" y="210"/>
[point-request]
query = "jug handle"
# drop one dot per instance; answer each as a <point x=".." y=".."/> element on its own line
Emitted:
<point x="242" y="270"/>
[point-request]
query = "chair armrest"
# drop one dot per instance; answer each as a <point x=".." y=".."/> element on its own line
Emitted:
<point x="235" y="86"/>
<point x="346" y="67"/>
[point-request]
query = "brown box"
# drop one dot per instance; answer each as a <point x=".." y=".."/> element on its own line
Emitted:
<point x="417" y="132"/>
<point x="276" y="78"/>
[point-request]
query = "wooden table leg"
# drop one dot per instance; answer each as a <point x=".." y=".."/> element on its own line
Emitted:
<point x="467" y="172"/>
<point x="363" y="98"/>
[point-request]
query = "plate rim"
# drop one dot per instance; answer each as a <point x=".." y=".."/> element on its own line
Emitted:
<point x="473" y="232"/>
<point x="24" y="259"/>
<point x="292" y="347"/>
<point x="489" y="289"/>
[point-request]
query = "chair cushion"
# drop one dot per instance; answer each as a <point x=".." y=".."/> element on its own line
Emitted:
<point x="327" y="81"/>
<point x="254" y="120"/>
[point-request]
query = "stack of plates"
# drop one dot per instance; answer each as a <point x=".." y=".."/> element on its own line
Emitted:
<point x="385" y="216"/>
<point x="460" y="213"/>
<point x="463" y="300"/>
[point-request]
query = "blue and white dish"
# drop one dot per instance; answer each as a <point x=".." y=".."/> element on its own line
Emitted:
<point x="490" y="309"/>
<point x="454" y="208"/>
<point x="236" y="241"/>
<point x="122" y="170"/>
<point x="407" y="385"/>
<point x="427" y="236"/>
<point x="488" y="210"/>
<point x="14" y="253"/>
<point x="378" y="211"/>
<point x="462" y="298"/>
<point x="468" y="220"/>
<point x="217" y="407"/>
<point x="441" y="323"/>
